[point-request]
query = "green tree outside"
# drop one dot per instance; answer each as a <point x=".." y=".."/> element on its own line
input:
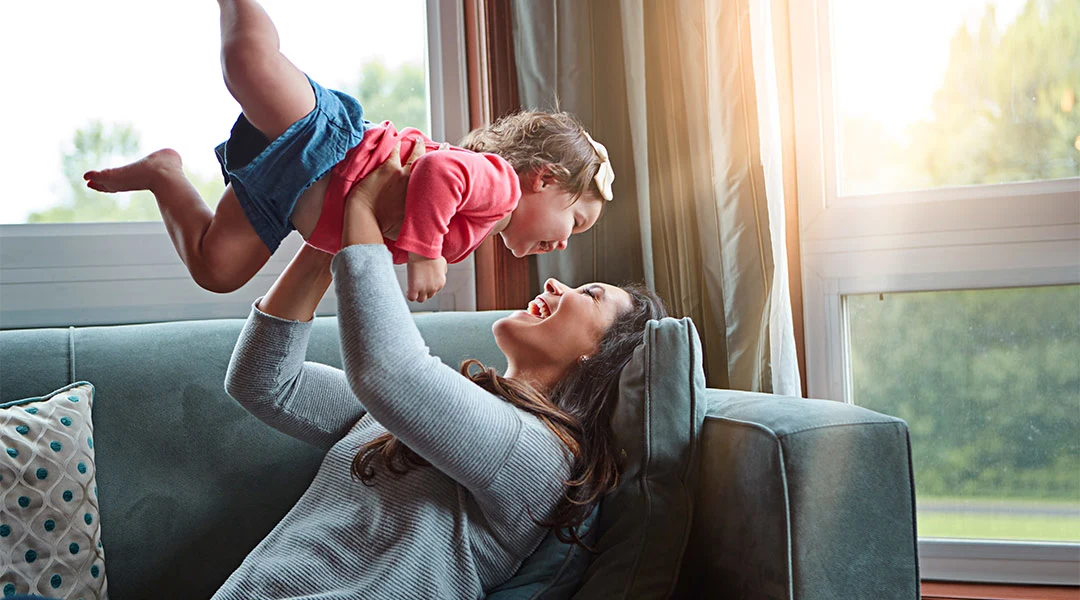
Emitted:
<point x="989" y="384"/>
<point x="1007" y="110"/>
<point x="99" y="144"/>
<point x="396" y="95"/>
<point x="988" y="380"/>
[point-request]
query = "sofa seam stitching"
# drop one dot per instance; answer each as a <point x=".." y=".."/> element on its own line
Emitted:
<point x="914" y="508"/>
<point x="71" y="355"/>
<point x="779" y="436"/>
<point x="788" y="519"/>
<point x="644" y="479"/>
<point x="837" y="424"/>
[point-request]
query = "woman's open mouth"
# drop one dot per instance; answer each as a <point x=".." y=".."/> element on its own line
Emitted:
<point x="539" y="309"/>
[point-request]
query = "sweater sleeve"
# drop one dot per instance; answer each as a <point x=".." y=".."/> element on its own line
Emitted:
<point x="269" y="377"/>
<point x="451" y="422"/>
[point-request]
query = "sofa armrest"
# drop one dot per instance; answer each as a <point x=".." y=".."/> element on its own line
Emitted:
<point x="802" y="499"/>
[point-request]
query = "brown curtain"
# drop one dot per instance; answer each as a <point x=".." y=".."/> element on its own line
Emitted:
<point x="684" y="95"/>
<point x="502" y="281"/>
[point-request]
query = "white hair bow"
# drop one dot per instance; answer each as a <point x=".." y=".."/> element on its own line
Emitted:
<point x="605" y="175"/>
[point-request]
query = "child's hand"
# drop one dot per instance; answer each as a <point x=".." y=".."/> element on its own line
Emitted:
<point x="426" y="276"/>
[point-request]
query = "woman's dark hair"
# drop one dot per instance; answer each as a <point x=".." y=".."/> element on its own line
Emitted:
<point x="578" y="410"/>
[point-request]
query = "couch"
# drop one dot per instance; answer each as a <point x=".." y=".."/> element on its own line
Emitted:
<point x="794" y="498"/>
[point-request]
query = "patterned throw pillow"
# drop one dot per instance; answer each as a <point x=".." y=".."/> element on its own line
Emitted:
<point x="50" y="538"/>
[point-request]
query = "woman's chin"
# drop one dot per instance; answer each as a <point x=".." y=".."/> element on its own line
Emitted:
<point x="508" y="328"/>
<point x="504" y="334"/>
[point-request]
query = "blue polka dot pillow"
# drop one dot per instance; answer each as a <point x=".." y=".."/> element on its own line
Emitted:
<point x="50" y="538"/>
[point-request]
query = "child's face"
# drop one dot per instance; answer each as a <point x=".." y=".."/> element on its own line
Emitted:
<point x="545" y="217"/>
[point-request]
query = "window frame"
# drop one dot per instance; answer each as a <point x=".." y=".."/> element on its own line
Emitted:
<point x="963" y="237"/>
<point x="76" y="274"/>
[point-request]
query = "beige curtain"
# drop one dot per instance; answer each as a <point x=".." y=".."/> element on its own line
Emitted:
<point x="683" y="94"/>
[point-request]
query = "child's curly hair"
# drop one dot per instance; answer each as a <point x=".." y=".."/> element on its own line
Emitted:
<point x="530" y="140"/>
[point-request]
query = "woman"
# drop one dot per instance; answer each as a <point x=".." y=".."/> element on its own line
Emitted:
<point x="436" y="484"/>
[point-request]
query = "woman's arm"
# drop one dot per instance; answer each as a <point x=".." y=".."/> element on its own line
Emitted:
<point x="269" y="377"/>
<point x="454" y="424"/>
<point x="451" y="422"/>
<point x="268" y="374"/>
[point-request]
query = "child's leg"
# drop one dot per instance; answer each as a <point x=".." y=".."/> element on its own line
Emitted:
<point x="221" y="250"/>
<point x="272" y="92"/>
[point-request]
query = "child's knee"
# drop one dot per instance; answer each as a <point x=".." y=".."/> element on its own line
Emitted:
<point x="216" y="280"/>
<point x="227" y="262"/>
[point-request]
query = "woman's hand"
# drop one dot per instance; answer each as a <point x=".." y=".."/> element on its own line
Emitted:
<point x="381" y="195"/>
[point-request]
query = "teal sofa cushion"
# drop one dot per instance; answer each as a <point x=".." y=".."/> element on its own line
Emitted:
<point x="554" y="570"/>
<point x="645" y="522"/>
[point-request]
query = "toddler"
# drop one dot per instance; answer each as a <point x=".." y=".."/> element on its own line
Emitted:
<point x="298" y="148"/>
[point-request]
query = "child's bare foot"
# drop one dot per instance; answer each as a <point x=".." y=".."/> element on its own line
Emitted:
<point x="139" y="175"/>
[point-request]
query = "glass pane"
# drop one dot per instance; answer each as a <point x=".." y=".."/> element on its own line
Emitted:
<point x="989" y="384"/>
<point x="113" y="80"/>
<point x="932" y="94"/>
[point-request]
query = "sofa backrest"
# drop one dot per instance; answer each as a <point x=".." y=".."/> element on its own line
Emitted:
<point x="188" y="480"/>
<point x="795" y="498"/>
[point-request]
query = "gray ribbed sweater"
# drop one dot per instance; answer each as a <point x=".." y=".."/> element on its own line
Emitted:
<point x="450" y="530"/>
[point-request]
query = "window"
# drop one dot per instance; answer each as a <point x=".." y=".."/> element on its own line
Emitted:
<point x="954" y="93"/>
<point x="939" y="189"/>
<point x="988" y="381"/>
<point x="148" y="76"/>
<point x="112" y="81"/>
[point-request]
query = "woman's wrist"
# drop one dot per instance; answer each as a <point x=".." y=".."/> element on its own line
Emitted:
<point x="300" y="287"/>
<point x="360" y="225"/>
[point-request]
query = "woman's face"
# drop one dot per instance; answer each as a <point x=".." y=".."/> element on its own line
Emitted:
<point x="558" y="327"/>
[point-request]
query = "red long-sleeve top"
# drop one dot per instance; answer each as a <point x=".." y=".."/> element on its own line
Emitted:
<point x="453" y="200"/>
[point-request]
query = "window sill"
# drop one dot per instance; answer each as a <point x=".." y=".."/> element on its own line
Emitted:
<point x="935" y="590"/>
<point x="62" y="274"/>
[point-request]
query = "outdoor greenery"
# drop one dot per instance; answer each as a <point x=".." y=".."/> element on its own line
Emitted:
<point x="1007" y="110"/>
<point x="988" y="382"/>
<point x="94" y="146"/>
<point x="397" y="95"/>
<point x="1000" y="527"/>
